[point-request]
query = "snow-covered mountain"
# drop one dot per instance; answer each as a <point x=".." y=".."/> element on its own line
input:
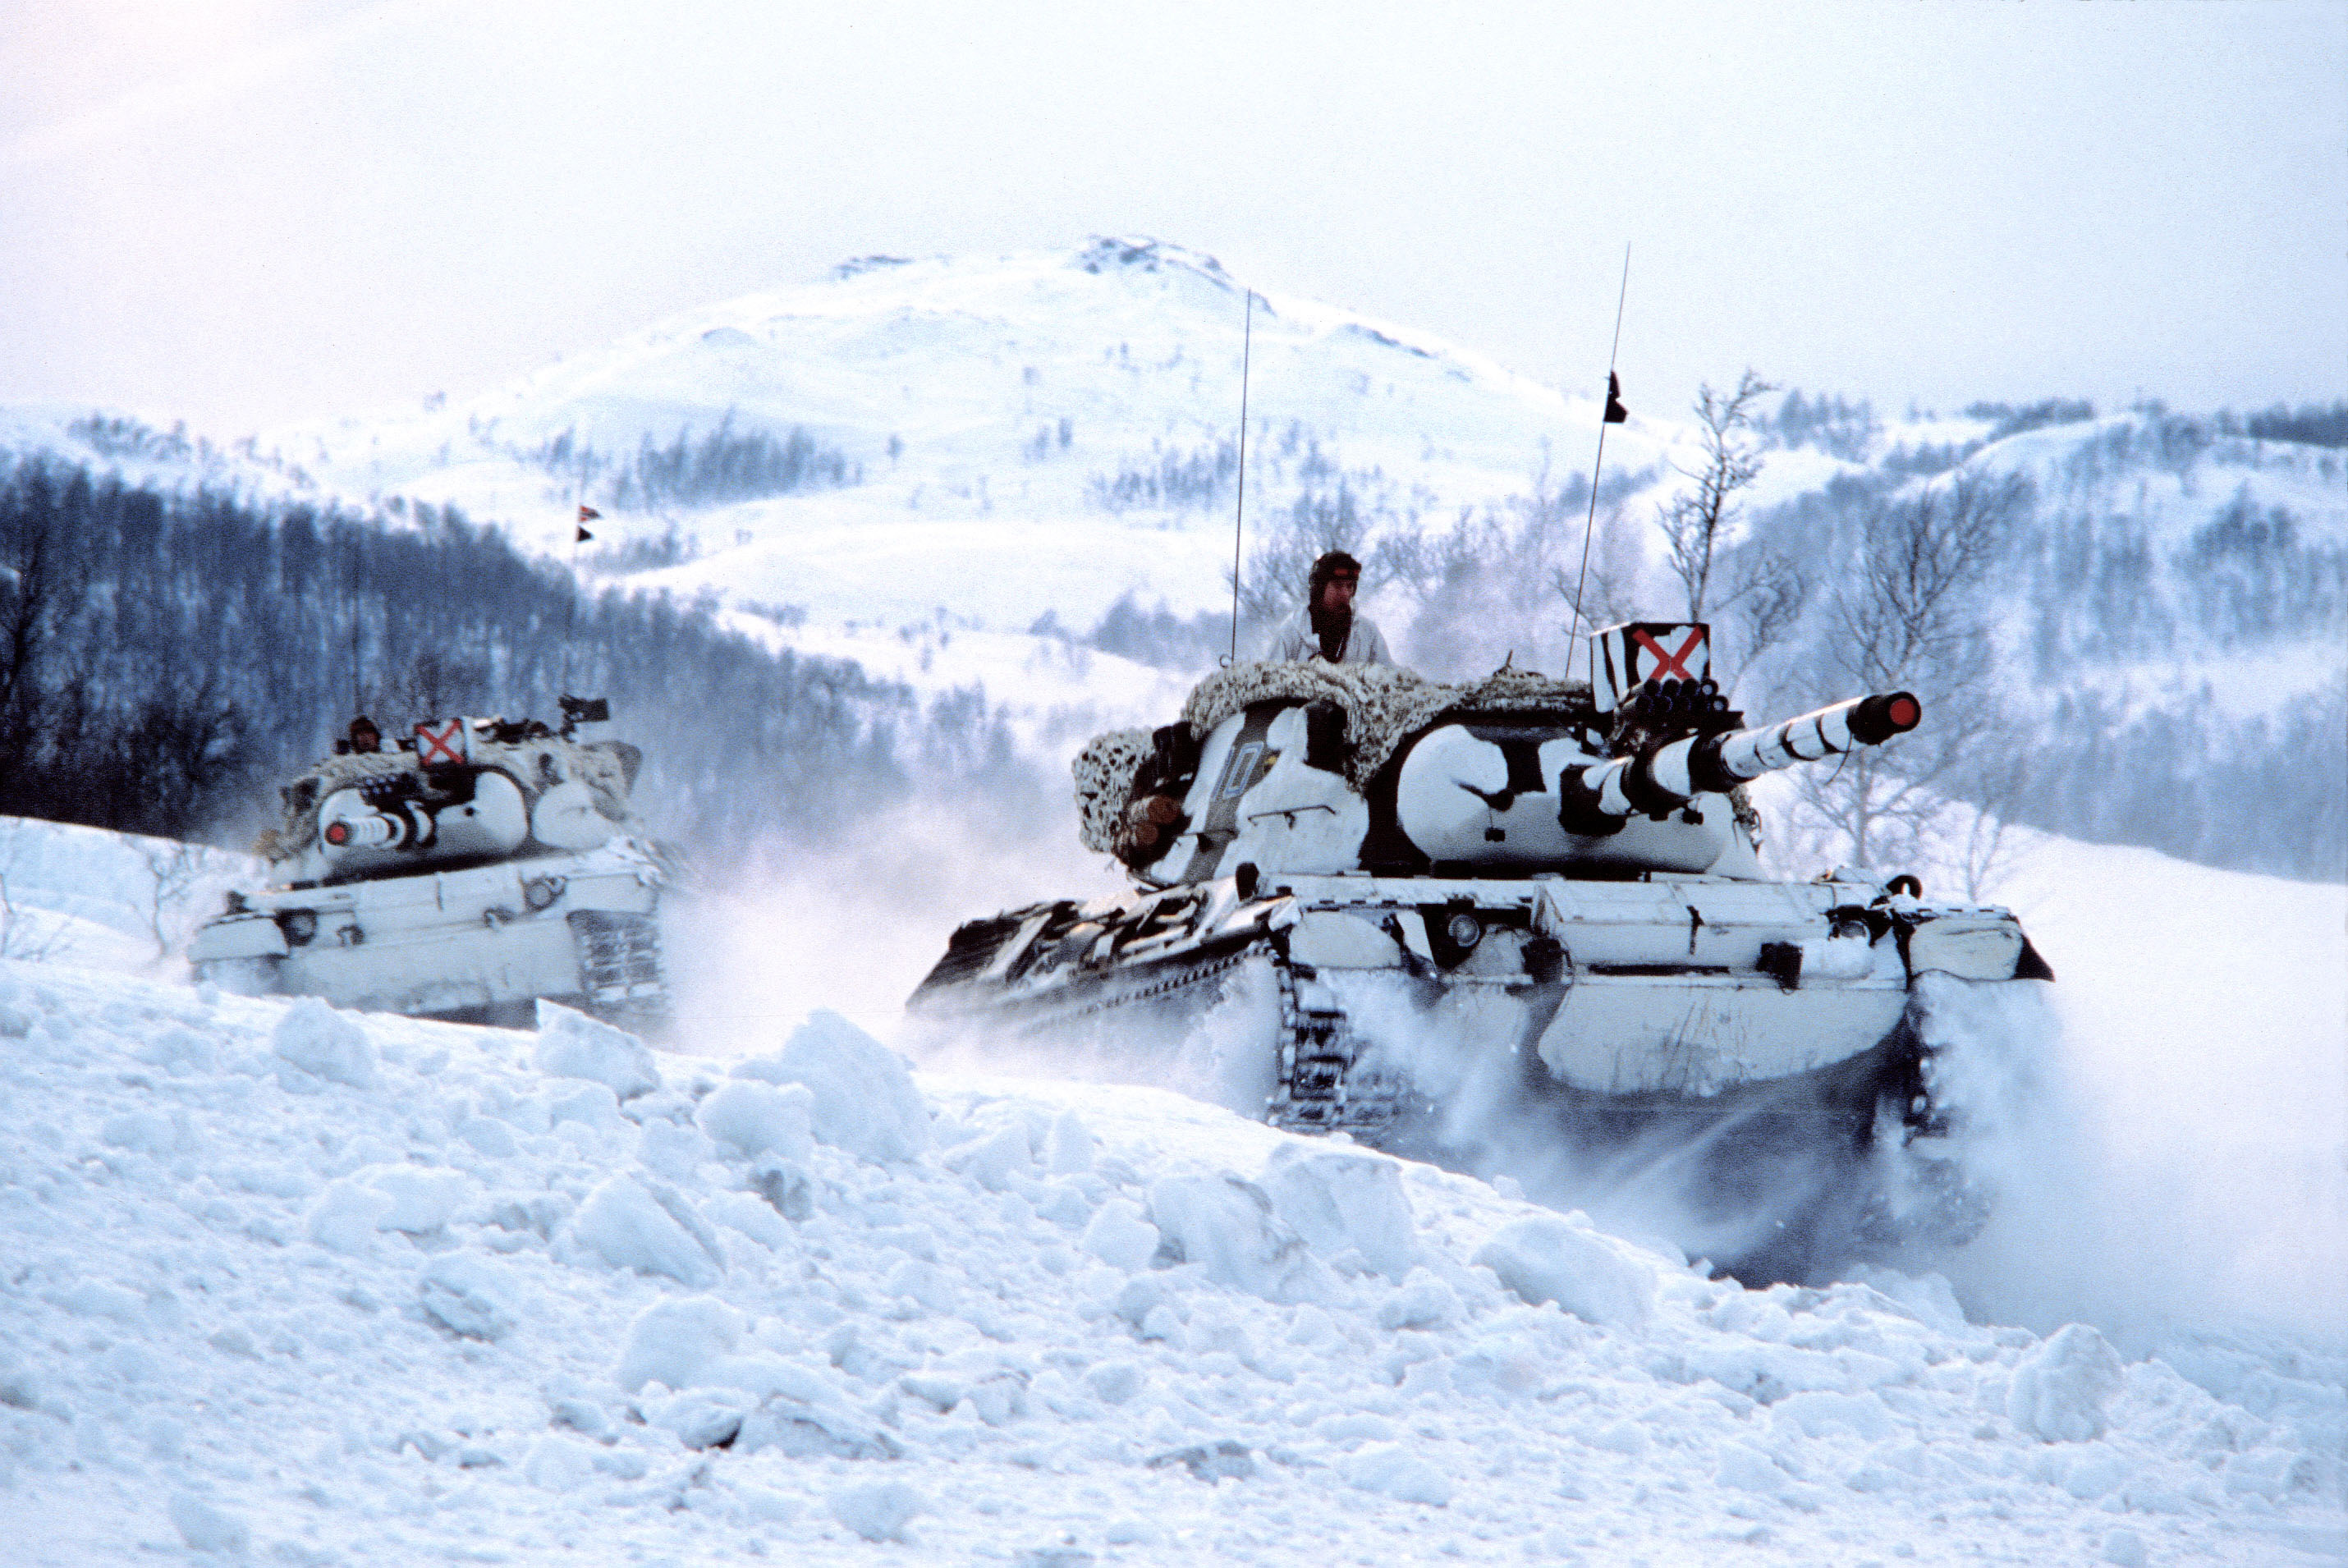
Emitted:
<point x="986" y="410"/>
<point x="285" y="1285"/>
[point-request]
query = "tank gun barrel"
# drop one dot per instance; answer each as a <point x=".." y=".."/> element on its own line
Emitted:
<point x="1598" y="798"/>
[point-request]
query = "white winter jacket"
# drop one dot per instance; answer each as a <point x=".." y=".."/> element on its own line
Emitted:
<point x="1293" y="640"/>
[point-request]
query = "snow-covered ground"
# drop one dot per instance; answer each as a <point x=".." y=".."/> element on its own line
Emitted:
<point x="108" y="901"/>
<point x="290" y="1285"/>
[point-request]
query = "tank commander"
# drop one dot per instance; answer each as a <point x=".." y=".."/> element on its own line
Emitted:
<point x="364" y="738"/>
<point x="1326" y="627"/>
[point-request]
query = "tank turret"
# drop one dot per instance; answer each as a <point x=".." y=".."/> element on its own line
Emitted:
<point x="1521" y="897"/>
<point x="473" y="867"/>
<point x="1328" y="770"/>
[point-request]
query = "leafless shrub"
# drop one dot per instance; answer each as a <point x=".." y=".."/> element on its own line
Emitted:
<point x="1913" y="617"/>
<point x="1697" y="526"/>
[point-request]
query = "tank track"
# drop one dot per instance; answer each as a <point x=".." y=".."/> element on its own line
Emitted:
<point x="1323" y="1088"/>
<point x="620" y="968"/>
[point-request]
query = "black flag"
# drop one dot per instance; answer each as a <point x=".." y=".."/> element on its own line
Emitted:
<point x="1615" y="412"/>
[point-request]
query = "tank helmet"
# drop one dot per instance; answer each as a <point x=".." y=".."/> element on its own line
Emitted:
<point x="364" y="726"/>
<point x="1329" y="565"/>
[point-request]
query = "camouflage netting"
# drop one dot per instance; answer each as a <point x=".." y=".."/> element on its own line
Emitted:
<point x="1383" y="704"/>
<point x="536" y="765"/>
<point x="1104" y="771"/>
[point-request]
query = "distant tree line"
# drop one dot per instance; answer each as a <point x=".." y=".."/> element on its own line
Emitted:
<point x="2267" y="794"/>
<point x="720" y="469"/>
<point x="2312" y="424"/>
<point x="1158" y="637"/>
<point x="1842" y="428"/>
<point x="166" y="658"/>
<point x="2010" y="420"/>
<point x="1175" y="478"/>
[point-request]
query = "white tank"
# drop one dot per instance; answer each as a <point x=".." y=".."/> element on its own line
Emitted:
<point x="1415" y="900"/>
<point x="481" y="866"/>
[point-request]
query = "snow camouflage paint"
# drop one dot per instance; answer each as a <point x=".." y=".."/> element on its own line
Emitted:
<point x="1494" y="919"/>
<point x="325" y="1287"/>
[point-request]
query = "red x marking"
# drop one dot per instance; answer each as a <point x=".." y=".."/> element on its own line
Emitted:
<point x="1666" y="664"/>
<point x="437" y="744"/>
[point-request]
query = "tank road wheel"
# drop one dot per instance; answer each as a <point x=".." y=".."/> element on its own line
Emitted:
<point x="620" y="969"/>
<point x="244" y="976"/>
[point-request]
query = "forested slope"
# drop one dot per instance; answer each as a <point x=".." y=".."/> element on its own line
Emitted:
<point x="165" y="656"/>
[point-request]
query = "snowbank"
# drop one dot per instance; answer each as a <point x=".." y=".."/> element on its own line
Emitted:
<point x="114" y="901"/>
<point x="440" y="1302"/>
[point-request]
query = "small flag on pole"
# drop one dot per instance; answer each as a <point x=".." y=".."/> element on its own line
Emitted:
<point x="1615" y="412"/>
<point x="586" y="515"/>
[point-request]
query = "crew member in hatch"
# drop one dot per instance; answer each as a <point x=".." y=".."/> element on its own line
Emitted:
<point x="1327" y="627"/>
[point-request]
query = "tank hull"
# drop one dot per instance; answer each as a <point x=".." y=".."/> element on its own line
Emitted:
<point x="1715" y="1034"/>
<point x="476" y="945"/>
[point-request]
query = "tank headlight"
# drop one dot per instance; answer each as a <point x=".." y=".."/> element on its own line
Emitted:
<point x="1464" y="930"/>
<point x="539" y="891"/>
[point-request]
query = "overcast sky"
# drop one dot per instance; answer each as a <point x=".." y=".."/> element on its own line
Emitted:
<point x="248" y="212"/>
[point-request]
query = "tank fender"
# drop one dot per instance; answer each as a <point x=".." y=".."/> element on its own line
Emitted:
<point x="618" y="893"/>
<point x="1969" y="943"/>
<point x="250" y="935"/>
<point x="1332" y="939"/>
<point x="1283" y="915"/>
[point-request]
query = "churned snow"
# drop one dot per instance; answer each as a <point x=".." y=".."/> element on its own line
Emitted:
<point x="287" y="1284"/>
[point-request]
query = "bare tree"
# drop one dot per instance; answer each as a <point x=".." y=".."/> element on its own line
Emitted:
<point x="1697" y="526"/>
<point x="30" y="940"/>
<point x="1766" y="591"/>
<point x="1609" y="586"/>
<point x="435" y="684"/>
<point x="1913" y="617"/>
<point x="34" y="585"/>
<point x="1487" y="590"/>
<point x="173" y="870"/>
<point x="1980" y="849"/>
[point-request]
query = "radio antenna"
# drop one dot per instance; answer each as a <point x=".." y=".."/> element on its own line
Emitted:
<point x="1239" y="515"/>
<point x="1614" y="414"/>
<point x="353" y="562"/>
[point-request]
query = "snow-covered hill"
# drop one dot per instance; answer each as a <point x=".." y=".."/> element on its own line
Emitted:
<point x="300" y="1287"/>
<point x="987" y="404"/>
<point x="2207" y="547"/>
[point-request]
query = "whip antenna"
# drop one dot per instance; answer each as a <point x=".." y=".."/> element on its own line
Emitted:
<point x="351" y="562"/>
<point x="1614" y="414"/>
<point x="1239" y="515"/>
